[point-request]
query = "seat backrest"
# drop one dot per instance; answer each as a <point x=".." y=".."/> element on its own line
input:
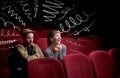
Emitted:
<point x="42" y="43"/>
<point x="4" y="73"/>
<point x="86" y="45"/>
<point x="45" y="68"/>
<point x="71" y="44"/>
<point x="44" y="33"/>
<point x="77" y="65"/>
<point x="4" y="67"/>
<point x="115" y="55"/>
<point x="36" y="35"/>
<point x="3" y="57"/>
<point x="103" y="64"/>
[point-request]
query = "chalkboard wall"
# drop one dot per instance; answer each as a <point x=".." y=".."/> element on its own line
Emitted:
<point x="66" y="15"/>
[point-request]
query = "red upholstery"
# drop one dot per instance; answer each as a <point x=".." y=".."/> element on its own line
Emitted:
<point x="71" y="44"/>
<point x="86" y="45"/>
<point x="4" y="73"/>
<point x="115" y="54"/>
<point x="45" y="68"/>
<point x="77" y="66"/>
<point x="44" y="33"/>
<point x="4" y="69"/>
<point x="82" y="44"/>
<point x="98" y="42"/>
<point x="19" y="41"/>
<point x="36" y="35"/>
<point x="102" y="63"/>
<point x="42" y="43"/>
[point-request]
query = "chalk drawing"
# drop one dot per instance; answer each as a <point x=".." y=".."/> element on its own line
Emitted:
<point x="5" y="24"/>
<point x="4" y="42"/>
<point x="52" y="9"/>
<point x="36" y="7"/>
<point x="8" y="33"/>
<point x="74" y="23"/>
<point x="27" y="10"/>
<point x="12" y="12"/>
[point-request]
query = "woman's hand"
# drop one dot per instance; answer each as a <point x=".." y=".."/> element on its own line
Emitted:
<point x="57" y="48"/>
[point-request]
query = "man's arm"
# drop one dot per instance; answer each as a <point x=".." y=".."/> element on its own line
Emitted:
<point x="38" y="54"/>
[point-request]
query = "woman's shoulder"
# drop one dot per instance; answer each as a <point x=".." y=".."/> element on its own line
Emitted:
<point x="63" y="45"/>
<point x="48" y="49"/>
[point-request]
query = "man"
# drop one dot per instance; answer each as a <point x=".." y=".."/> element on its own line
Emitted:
<point x="28" y="49"/>
<point x="23" y="53"/>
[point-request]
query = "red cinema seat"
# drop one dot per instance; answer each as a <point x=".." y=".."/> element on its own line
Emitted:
<point x="36" y="35"/>
<point x="42" y="43"/>
<point x="71" y="44"/>
<point x="103" y="64"/>
<point x="77" y="65"/>
<point x="4" y="68"/>
<point x="4" y="73"/>
<point x="87" y="45"/>
<point x="45" y="68"/>
<point x="115" y="54"/>
<point x="19" y="41"/>
<point x="44" y="33"/>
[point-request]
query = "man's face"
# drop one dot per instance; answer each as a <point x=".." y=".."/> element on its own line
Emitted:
<point x="28" y="38"/>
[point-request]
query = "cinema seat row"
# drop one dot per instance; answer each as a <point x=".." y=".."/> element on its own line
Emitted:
<point x="82" y="44"/>
<point x="85" y="59"/>
<point x="98" y="64"/>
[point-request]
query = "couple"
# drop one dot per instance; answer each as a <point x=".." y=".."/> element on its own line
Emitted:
<point x="28" y="50"/>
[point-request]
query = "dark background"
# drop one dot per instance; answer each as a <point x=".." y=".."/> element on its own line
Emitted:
<point x="109" y="22"/>
<point x="107" y="17"/>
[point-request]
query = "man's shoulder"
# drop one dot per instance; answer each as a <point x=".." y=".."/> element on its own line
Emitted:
<point x="34" y="44"/>
<point x="19" y="46"/>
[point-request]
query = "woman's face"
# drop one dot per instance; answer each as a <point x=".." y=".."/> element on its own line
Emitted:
<point x="56" y="38"/>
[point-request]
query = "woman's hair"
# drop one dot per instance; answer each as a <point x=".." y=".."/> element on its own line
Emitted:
<point x="50" y="35"/>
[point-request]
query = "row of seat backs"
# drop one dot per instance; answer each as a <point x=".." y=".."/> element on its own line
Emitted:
<point x="45" y="43"/>
<point x="106" y="64"/>
<point x="83" y="44"/>
<point x="102" y="65"/>
<point x="72" y="66"/>
<point x="77" y="65"/>
<point x="98" y="64"/>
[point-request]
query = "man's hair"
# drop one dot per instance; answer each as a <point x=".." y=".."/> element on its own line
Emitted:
<point x="25" y="31"/>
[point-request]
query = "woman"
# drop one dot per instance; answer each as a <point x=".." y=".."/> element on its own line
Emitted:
<point x="55" y="49"/>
